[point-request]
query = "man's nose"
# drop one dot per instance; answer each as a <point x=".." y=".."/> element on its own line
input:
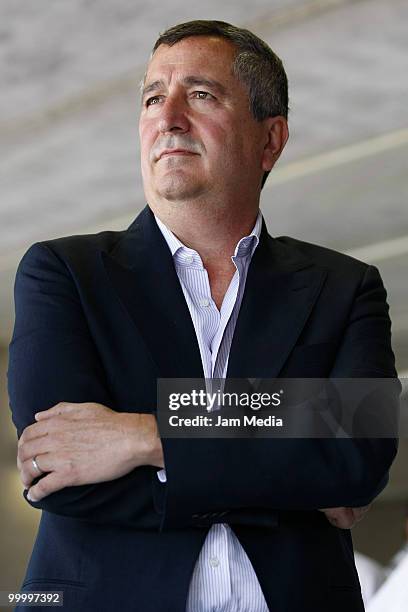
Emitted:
<point x="173" y="116"/>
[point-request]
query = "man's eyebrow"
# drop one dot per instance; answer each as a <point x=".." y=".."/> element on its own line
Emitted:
<point x="188" y="80"/>
<point x="159" y="84"/>
<point x="206" y="82"/>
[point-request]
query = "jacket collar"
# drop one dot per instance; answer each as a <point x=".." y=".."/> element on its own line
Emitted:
<point x="281" y="288"/>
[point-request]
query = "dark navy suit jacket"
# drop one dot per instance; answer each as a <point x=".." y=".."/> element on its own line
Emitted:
<point x="98" y="319"/>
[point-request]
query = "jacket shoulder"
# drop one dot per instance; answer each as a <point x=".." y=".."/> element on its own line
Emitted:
<point x="84" y="243"/>
<point x="77" y="249"/>
<point x="323" y="256"/>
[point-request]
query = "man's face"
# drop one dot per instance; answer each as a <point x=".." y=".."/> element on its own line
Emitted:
<point x="197" y="134"/>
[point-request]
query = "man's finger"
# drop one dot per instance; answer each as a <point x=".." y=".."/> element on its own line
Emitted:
<point x="60" y="408"/>
<point x="359" y="513"/>
<point x="29" y="472"/>
<point x="341" y="517"/>
<point x="34" y="447"/>
<point x="345" y="518"/>
<point x="33" y="431"/>
<point x="79" y="410"/>
<point x="54" y="481"/>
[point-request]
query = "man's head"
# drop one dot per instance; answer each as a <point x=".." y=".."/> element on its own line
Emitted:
<point x="217" y="94"/>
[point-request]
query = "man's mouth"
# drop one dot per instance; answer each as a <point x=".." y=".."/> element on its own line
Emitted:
<point x="168" y="152"/>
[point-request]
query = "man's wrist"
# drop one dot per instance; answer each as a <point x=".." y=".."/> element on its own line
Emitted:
<point x="144" y="442"/>
<point x="154" y="452"/>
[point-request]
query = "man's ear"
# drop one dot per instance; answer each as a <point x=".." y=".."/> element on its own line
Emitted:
<point x="277" y="134"/>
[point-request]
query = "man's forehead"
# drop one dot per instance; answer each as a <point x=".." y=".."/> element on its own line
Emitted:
<point x="189" y="61"/>
<point x="192" y="51"/>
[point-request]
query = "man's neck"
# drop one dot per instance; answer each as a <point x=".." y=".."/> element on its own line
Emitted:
<point x="213" y="234"/>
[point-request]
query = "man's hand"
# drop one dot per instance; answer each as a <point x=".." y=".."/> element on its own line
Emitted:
<point x="345" y="518"/>
<point x="76" y="444"/>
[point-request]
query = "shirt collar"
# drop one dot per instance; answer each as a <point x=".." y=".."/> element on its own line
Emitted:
<point x="245" y="247"/>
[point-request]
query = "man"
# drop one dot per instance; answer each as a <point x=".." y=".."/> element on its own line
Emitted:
<point x="194" y="287"/>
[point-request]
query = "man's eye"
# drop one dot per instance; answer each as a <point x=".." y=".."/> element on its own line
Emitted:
<point x="202" y="95"/>
<point x="198" y="95"/>
<point x="152" y="100"/>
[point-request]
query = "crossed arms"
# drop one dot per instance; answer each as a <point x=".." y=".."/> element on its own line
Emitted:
<point x="101" y="463"/>
<point x="87" y="443"/>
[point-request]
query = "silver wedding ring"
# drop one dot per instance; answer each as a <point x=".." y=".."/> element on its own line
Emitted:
<point x="36" y="466"/>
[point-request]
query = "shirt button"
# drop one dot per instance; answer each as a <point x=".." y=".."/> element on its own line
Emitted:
<point x="214" y="561"/>
<point x="204" y="302"/>
<point x="189" y="259"/>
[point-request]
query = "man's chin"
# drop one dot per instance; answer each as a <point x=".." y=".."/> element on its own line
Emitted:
<point x="178" y="188"/>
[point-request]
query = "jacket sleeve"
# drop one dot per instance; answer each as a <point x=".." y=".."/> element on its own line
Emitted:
<point x="295" y="474"/>
<point x="52" y="358"/>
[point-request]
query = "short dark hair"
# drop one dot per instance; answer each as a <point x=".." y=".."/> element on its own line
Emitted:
<point x="255" y="65"/>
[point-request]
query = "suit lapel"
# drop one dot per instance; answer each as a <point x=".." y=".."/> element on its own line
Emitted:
<point x="142" y="272"/>
<point x="281" y="288"/>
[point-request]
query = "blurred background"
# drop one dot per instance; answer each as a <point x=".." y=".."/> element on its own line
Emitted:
<point x="69" y="110"/>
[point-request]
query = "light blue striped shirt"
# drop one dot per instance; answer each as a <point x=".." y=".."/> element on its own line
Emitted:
<point x="223" y="579"/>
